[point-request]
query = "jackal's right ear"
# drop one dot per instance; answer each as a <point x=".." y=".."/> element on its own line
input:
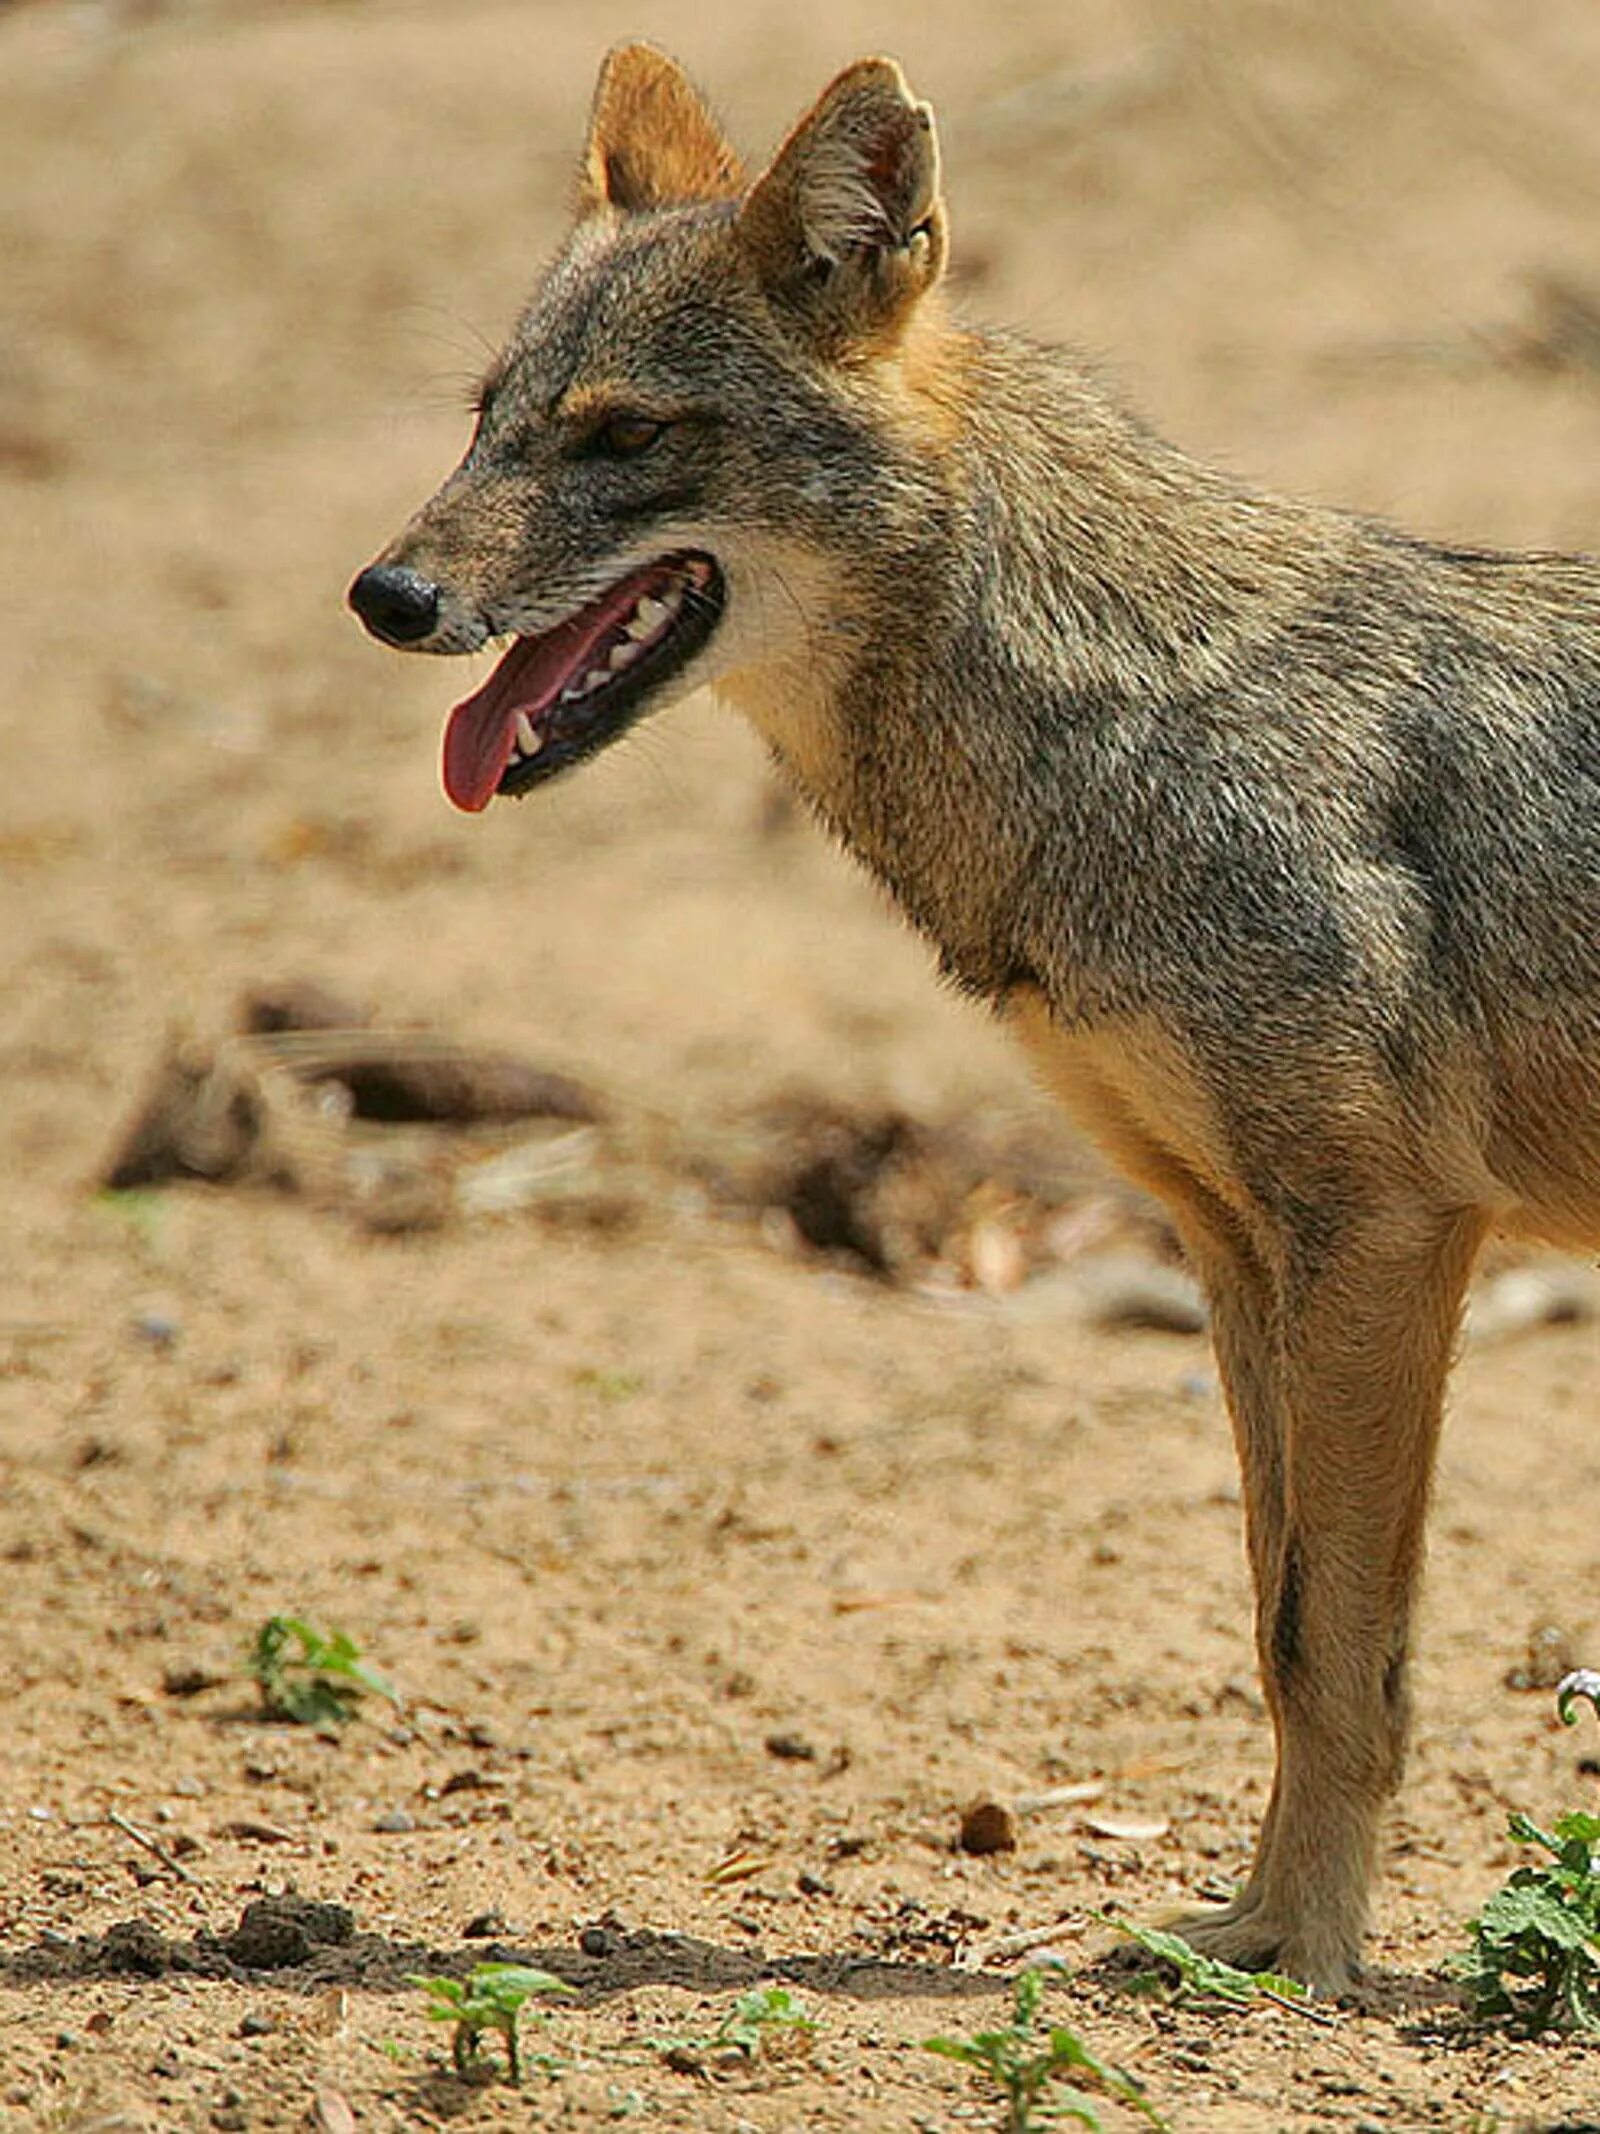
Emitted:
<point x="652" y="142"/>
<point x="847" y="227"/>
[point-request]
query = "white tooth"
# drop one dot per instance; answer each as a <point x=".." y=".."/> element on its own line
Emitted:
<point x="596" y="678"/>
<point x="623" y="655"/>
<point x="673" y="599"/>
<point x="653" y="613"/>
<point x="640" y="627"/>
<point x="527" y="739"/>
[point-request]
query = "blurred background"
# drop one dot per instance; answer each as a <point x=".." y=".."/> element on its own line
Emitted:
<point x="253" y="258"/>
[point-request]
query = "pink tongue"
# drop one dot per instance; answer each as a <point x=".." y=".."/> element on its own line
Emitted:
<point x="483" y="727"/>
<point x="482" y="730"/>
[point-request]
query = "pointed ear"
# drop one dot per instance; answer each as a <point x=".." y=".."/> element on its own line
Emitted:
<point x="847" y="227"/>
<point x="652" y="142"/>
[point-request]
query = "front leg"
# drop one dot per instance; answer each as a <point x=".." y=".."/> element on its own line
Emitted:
<point x="1333" y="1351"/>
<point x="1337" y="1439"/>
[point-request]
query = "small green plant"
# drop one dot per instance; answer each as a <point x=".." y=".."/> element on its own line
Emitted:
<point x="1205" y="1978"/>
<point x="756" y="2020"/>
<point x="759" y="2016"/>
<point x="1535" y="1957"/>
<point x="1582" y="1682"/>
<point x="309" y="1678"/>
<point x="1034" y="2069"/>
<point x="490" y="1998"/>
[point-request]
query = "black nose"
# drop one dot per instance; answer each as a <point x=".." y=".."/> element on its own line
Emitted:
<point x="396" y="604"/>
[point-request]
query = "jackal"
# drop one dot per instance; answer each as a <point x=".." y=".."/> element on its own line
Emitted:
<point x="1273" y="833"/>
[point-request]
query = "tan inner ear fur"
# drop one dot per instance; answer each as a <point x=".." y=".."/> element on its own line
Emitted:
<point x="652" y="141"/>
<point x="855" y="185"/>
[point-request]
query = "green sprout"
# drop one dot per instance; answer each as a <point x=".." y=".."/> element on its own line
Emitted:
<point x="489" y="1998"/>
<point x="1034" y="2070"/>
<point x="1582" y="1682"/>
<point x="311" y="1679"/>
<point x="758" y="2018"/>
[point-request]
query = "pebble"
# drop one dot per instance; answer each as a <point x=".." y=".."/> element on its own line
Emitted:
<point x="790" y="1748"/>
<point x="987" y="1826"/>
<point x="396" y="1821"/>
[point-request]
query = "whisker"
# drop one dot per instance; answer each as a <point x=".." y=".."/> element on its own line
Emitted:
<point x="807" y="623"/>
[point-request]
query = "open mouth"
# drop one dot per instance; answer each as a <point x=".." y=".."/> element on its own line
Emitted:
<point x="559" y="697"/>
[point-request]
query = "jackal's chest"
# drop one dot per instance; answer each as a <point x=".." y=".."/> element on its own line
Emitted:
<point x="1137" y="1093"/>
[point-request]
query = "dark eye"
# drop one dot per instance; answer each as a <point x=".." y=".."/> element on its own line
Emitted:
<point x="625" y="436"/>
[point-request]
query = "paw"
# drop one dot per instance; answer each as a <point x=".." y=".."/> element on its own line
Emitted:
<point x="1250" y="1935"/>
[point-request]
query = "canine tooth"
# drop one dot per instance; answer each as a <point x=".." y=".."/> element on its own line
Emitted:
<point x="596" y="678"/>
<point x="623" y="655"/>
<point x="652" y="613"/>
<point x="527" y="740"/>
<point x="640" y="626"/>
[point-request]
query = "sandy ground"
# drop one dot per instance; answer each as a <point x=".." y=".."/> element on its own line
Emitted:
<point x="681" y="1546"/>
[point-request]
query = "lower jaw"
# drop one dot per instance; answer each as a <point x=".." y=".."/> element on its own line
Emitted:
<point x="591" y="726"/>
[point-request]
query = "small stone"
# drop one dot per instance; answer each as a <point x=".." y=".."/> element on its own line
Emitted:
<point x="1546" y="1659"/>
<point x="257" y="2025"/>
<point x="485" y="1926"/>
<point x="395" y="1823"/>
<point x="987" y="1826"/>
<point x="791" y="1748"/>
<point x="596" y="1941"/>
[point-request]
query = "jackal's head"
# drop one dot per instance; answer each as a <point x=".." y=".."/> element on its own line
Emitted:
<point x="688" y="403"/>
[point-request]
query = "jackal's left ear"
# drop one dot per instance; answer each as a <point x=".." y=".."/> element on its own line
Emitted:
<point x="652" y="142"/>
<point x="847" y="227"/>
